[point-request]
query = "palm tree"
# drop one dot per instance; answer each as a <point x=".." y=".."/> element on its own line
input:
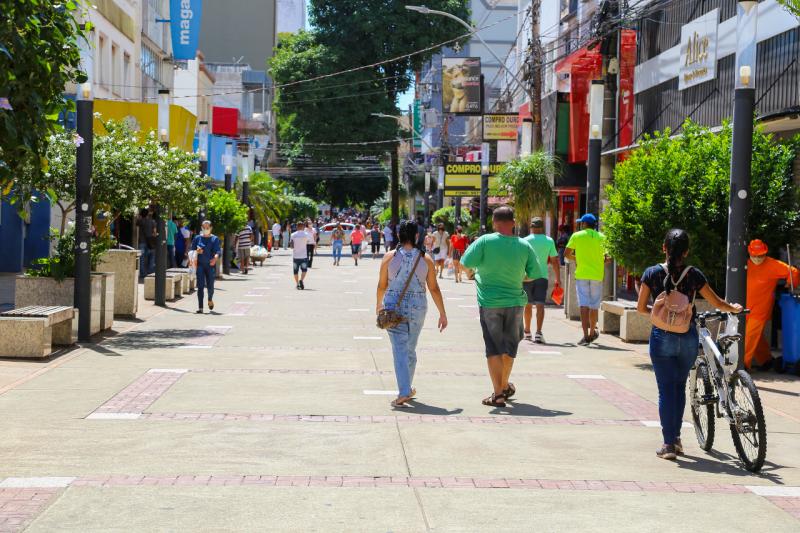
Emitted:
<point x="528" y="181"/>
<point x="267" y="198"/>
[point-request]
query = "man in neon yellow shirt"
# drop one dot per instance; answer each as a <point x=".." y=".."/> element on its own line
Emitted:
<point x="586" y="248"/>
<point x="501" y="261"/>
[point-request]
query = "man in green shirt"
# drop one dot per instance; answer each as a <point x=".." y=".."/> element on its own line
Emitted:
<point x="501" y="261"/>
<point x="172" y="230"/>
<point x="586" y="248"/>
<point x="536" y="289"/>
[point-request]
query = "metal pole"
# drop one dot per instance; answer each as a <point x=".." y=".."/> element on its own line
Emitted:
<point x="226" y="252"/>
<point x="83" y="227"/>
<point x="161" y="228"/>
<point x="484" y="200"/>
<point x="593" y="177"/>
<point x="457" y="211"/>
<point x="395" y="185"/>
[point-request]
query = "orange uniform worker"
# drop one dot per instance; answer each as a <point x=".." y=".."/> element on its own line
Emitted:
<point x="763" y="275"/>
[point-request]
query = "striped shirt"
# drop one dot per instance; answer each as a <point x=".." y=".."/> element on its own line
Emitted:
<point x="246" y="237"/>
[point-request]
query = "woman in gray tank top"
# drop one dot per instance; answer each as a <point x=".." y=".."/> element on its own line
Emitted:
<point x="396" y="268"/>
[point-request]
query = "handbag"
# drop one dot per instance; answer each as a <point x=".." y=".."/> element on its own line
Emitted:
<point x="673" y="312"/>
<point x="436" y="250"/>
<point x="390" y="318"/>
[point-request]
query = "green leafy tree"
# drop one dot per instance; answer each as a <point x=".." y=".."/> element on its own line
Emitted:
<point x="173" y="180"/>
<point x="302" y="207"/>
<point x="685" y="182"/>
<point x="39" y="56"/>
<point x="267" y="198"/>
<point x="447" y="216"/>
<point x="527" y="181"/>
<point x="792" y="6"/>
<point x="225" y="211"/>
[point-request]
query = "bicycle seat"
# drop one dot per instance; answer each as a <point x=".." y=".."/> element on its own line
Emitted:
<point x="727" y="340"/>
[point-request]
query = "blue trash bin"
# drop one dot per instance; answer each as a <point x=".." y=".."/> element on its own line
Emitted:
<point x="790" y="311"/>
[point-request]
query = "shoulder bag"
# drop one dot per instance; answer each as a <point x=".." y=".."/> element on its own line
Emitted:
<point x="390" y="318"/>
<point x="673" y="312"/>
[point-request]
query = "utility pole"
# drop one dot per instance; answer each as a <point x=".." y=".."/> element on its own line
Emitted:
<point x="537" y="54"/>
<point x="83" y="202"/>
<point x="161" y="228"/>
<point x="395" y="184"/>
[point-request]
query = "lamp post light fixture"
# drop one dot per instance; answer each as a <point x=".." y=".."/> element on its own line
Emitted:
<point x="596" y="97"/>
<point x="246" y="180"/>
<point x="227" y="160"/>
<point x="440" y="190"/>
<point x="484" y="199"/>
<point x="741" y="157"/>
<point x="426" y="196"/>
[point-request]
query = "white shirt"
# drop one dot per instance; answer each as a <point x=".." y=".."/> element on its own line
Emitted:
<point x="387" y="234"/>
<point x="299" y="240"/>
<point x="312" y="235"/>
<point x="276" y="229"/>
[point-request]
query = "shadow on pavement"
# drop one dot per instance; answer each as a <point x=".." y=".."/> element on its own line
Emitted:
<point x="723" y="463"/>
<point x="419" y="408"/>
<point x="157" y="338"/>
<point x="525" y="409"/>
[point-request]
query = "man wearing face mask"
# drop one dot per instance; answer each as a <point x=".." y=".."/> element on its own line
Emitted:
<point x="207" y="247"/>
<point x="763" y="275"/>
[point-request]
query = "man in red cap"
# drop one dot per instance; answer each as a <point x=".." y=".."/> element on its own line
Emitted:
<point x="763" y="275"/>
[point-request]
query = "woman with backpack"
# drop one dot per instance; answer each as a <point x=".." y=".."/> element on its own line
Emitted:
<point x="674" y="342"/>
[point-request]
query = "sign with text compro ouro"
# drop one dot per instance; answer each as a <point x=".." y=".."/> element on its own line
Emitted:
<point x="464" y="179"/>
<point x="698" y="61"/>
<point x="500" y="127"/>
<point x="185" y="27"/>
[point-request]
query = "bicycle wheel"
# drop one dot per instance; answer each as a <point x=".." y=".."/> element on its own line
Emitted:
<point x="701" y="396"/>
<point x="749" y="431"/>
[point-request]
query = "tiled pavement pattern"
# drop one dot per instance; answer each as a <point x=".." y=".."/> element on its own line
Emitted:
<point x="128" y="405"/>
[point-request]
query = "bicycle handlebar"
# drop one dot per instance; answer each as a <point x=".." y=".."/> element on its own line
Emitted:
<point x="708" y="315"/>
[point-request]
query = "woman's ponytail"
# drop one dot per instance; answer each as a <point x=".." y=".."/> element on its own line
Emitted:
<point x="676" y="243"/>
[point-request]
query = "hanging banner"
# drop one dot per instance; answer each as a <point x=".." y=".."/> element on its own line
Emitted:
<point x="185" y="27"/>
<point x="416" y="123"/>
<point x="500" y="127"/>
<point x="699" y="50"/>
<point x="461" y="85"/>
<point x="464" y="179"/>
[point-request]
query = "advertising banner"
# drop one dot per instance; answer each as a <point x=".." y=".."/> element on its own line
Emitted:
<point x="416" y="123"/>
<point x="464" y="179"/>
<point x="185" y="27"/>
<point x="699" y="50"/>
<point x="500" y="127"/>
<point x="461" y="85"/>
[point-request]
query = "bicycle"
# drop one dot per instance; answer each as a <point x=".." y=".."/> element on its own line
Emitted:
<point x="719" y="390"/>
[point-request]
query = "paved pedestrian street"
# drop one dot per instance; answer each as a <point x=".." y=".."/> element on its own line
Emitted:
<point x="272" y="414"/>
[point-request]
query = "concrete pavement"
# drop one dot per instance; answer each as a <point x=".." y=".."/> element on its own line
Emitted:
<point x="272" y="414"/>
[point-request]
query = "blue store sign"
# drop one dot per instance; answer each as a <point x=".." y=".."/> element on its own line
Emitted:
<point x="185" y="25"/>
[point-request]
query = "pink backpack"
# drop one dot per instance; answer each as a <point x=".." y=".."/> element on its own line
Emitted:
<point x="672" y="312"/>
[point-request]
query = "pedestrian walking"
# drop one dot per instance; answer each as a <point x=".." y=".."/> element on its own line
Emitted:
<point x="586" y="248"/>
<point x="763" y="275"/>
<point x="182" y="242"/>
<point x="299" y="241"/>
<point x="375" y="240"/>
<point x="388" y="238"/>
<point x="501" y="261"/>
<point x="356" y="238"/>
<point x="172" y="232"/>
<point x="536" y="289"/>
<point x="243" y="242"/>
<point x="564" y="234"/>
<point x="458" y="245"/>
<point x="441" y="248"/>
<point x="207" y="249"/>
<point x="673" y="353"/>
<point x="286" y="234"/>
<point x="312" y="242"/>
<point x="405" y="272"/>
<point x="276" y="235"/>
<point x="147" y="242"/>
<point x="337" y="242"/>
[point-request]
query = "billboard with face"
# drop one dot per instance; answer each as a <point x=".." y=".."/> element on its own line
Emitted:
<point x="461" y="85"/>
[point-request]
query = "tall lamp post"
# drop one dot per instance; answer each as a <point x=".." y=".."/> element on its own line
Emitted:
<point x="83" y="201"/>
<point x="202" y="152"/>
<point x="227" y="160"/>
<point x="484" y="205"/>
<point x="161" y="229"/>
<point x="596" y="101"/>
<point x="246" y="180"/>
<point x="741" y="157"/>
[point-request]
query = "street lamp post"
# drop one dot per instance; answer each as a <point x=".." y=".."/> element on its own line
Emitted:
<point x="741" y="157"/>
<point x="227" y="160"/>
<point x="83" y="201"/>
<point x="596" y="101"/>
<point x="426" y="196"/>
<point x="484" y="205"/>
<point x="202" y="149"/>
<point x="161" y="229"/>
<point x="246" y="179"/>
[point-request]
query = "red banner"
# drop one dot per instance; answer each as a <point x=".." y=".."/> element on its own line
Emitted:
<point x="583" y="65"/>
<point x="627" y="66"/>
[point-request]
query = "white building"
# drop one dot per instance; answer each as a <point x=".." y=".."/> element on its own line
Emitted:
<point x="116" y="49"/>
<point x="291" y="16"/>
<point x="194" y="88"/>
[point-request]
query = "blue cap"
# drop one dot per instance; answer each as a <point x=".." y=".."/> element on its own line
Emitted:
<point x="588" y="218"/>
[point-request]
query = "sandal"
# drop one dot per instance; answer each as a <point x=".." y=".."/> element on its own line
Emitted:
<point x="400" y="402"/>
<point x="495" y="400"/>
<point x="510" y="391"/>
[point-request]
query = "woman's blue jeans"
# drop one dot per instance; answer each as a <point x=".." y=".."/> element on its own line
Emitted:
<point x="337" y="249"/>
<point x="405" y="336"/>
<point x="673" y="355"/>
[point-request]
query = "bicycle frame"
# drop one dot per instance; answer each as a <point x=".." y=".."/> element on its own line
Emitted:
<point x="720" y="376"/>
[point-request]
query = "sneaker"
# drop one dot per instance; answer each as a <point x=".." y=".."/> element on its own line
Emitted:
<point x="199" y="311"/>
<point x="667" y="451"/>
<point x="593" y="337"/>
<point x="583" y="342"/>
<point x="298" y="285"/>
<point x="527" y="335"/>
<point x="538" y="338"/>
<point x="678" y="447"/>
<point x="302" y="287"/>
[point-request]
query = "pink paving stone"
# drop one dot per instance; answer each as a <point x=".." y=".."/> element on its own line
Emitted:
<point x="150" y="480"/>
<point x="532" y="483"/>
<point x="548" y="484"/>
<point x="683" y="487"/>
<point x="579" y="485"/>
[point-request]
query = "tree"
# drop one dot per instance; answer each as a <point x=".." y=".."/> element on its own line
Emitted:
<point x="527" y="180"/>
<point x="175" y="182"/>
<point x="684" y="182"/>
<point x="343" y="192"/>
<point x="39" y="57"/>
<point x="447" y="216"/>
<point x="267" y="197"/>
<point x="302" y="207"/>
<point x="225" y="211"/>
<point x="792" y="6"/>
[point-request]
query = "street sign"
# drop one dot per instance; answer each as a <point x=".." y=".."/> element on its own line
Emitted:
<point x="464" y="179"/>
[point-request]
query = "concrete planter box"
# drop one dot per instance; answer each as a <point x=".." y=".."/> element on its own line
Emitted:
<point x="125" y="266"/>
<point x="107" y="304"/>
<point x="47" y="291"/>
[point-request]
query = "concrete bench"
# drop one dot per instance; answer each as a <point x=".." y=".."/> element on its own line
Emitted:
<point x="31" y="332"/>
<point x="172" y="289"/>
<point x="187" y="280"/>
<point x="621" y="317"/>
